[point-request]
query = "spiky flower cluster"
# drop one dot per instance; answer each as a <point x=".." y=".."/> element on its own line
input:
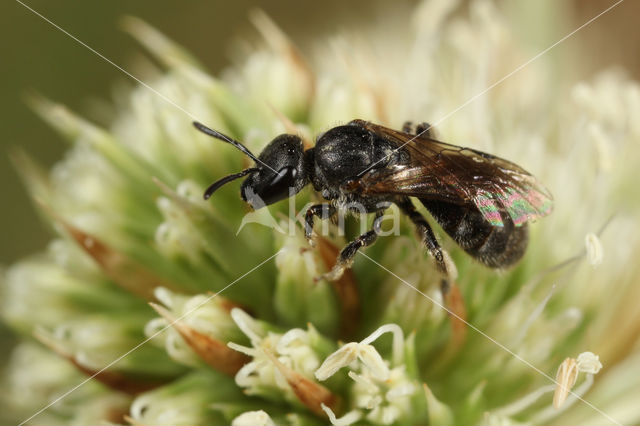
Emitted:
<point x="179" y="320"/>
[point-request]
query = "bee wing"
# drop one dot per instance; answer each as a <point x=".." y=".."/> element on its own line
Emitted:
<point x="450" y="173"/>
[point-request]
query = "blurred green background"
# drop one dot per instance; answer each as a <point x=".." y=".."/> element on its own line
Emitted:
<point x="37" y="57"/>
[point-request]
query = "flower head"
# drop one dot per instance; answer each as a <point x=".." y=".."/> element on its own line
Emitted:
<point x="186" y="311"/>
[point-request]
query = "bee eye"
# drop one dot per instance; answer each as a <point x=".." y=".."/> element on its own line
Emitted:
<point x="278" y="188"/>
<point x="285" y="173"/>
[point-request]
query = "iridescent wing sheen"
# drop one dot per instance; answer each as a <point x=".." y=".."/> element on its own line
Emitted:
<point x="440" y="171"/>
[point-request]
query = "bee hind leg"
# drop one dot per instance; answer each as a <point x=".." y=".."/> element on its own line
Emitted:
<point x="421" y="129"/>
<point x="347" y="255"/>
<point x="428" y="238"/>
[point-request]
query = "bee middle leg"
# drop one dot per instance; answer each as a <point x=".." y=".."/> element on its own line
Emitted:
<point x="428" y="238"/>
<point x="345" y="259"/>
<point x="324" y="211"/>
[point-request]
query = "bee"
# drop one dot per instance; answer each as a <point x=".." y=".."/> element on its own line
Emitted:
<point x="481" y="201"/>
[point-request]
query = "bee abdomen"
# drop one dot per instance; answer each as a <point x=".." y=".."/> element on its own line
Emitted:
<point x="496" y="247"/>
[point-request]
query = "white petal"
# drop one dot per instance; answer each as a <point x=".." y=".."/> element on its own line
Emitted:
<point x="253" y="418"/>
<point x="400" y="391"/>
<point x="282" y="347"/>
<point x="334" y="362"/>
<point x="370" y="357"/>
<point x="363" y="381"/>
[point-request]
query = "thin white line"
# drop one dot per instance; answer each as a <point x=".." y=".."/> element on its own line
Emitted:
<point x="500" y="345"/>
<point x="64" y="395"/>
<point x="473" y="98"/>
<point x="193" y="117"/>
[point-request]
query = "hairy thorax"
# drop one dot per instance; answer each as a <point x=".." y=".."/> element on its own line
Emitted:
<point x="342" y="155"/>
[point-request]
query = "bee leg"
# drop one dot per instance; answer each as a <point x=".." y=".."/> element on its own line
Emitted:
<point x="428" y="238"/>
<point x="323" y="211"/>
<point x="423" y="128"/>
<point x="426" y="129"/>
<point x="407" y="127"/>
<point x="345" y="259"/>
<point x="445" y="286"/>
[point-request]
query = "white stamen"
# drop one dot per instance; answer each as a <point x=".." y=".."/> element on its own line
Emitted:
<point x="350" y="418"/>
<point x="247" y="324"/>
<point x="534" y="316"/>
<point x="244" y="377"/>
<point x="139" y="406"/>
<point x="164" y="296"/>
<point x="154" y="326"/>
<point x="565" y="377"/>
<point x="244" y="349"/>
<point x="551" y="412"/>
<point x="594" y="249"/>
<point x="398" y="339"/>
<point x="589" y="363"/>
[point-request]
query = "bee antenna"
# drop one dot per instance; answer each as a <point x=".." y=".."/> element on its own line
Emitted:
<point x="217" y="184"/>
<point x="225" y="138"/>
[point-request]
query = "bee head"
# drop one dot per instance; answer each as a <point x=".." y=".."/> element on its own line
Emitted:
<point x="279" y="171"/>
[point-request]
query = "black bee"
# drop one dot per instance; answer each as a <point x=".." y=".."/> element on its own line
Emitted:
<point x="483" y="202"/>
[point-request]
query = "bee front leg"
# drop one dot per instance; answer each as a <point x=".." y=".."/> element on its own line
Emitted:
<point x="428" y="238"/>
<point x="324" y="211"/>
<point x="345" y="259"/>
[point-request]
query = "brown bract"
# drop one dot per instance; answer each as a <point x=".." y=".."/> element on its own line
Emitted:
<point x="212" y="351"/>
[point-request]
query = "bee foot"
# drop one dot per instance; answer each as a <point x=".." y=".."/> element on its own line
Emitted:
<point x="312" y="242"/>
<point x="333" y="275"/>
